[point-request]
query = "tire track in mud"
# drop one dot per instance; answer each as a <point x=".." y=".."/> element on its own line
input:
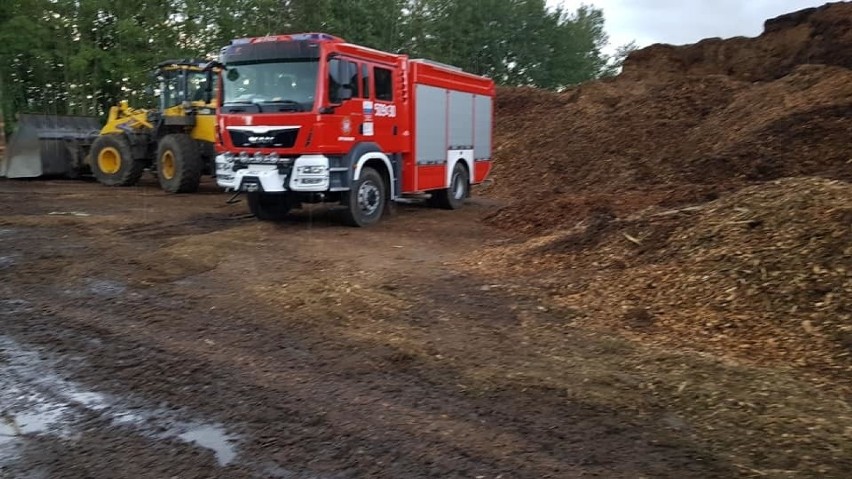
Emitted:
<point x="304" y="394"/>
<point x="348" y="401"/>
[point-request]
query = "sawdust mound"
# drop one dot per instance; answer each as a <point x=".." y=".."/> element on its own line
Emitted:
<point x="764" y="273"/>
<point x="813" y="36"/>
<point x="680" y="125"/>
<point x="702" y="198"/>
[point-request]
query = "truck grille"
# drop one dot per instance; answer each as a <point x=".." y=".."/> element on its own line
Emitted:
<point x="281" y="138"/>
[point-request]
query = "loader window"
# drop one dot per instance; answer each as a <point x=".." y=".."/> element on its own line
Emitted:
<point x="171" y="92"/>
<point x="384" y="83"/>
<point x="197" y="85"/>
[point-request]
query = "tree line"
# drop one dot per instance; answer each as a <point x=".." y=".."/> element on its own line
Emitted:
<point x="81" y="56"/>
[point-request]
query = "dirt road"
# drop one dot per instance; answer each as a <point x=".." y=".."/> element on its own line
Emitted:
<point x="146" y="335"/>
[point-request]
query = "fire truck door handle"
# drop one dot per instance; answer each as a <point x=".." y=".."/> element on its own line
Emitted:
<point x="394" y="130"/>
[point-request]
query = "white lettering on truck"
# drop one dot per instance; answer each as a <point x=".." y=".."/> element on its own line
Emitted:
<point x="385" y="110"/>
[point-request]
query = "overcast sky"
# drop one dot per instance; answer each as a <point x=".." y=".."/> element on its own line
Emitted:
<point x="685" y="21"/>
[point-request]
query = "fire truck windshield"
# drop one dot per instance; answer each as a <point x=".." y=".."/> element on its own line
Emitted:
<point x="272" y="86"/>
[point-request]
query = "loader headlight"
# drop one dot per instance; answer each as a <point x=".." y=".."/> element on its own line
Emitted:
<point x="313" y="170"/>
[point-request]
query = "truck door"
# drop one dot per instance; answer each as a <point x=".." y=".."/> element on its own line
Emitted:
<point x="344" y="91"/>
<point x="385" y="128"/>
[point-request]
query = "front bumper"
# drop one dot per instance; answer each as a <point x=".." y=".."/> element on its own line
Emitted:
<point x="308" y="173"/>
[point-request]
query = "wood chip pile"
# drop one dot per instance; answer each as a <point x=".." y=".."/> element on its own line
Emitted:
<point x="683" y="133"/>
<point x="764" y="273"/>
<point x="706" y="204"/>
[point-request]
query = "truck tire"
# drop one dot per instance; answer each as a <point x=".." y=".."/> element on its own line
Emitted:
<point x="269" y="206"/>
<point x="452" y="198"/>
<point x="367" y="199"/>
<point x="112" y="161"/>
<point x="179" y="164"/>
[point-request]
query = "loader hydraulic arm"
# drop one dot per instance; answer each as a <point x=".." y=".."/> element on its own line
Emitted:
<point x="122" y="117"/>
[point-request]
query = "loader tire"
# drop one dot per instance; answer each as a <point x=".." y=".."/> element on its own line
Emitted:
<point x="452" y="198"/>
<point x="269" y="206"/>
<point x="179" y="164"/>
<point x="112" y="161"/>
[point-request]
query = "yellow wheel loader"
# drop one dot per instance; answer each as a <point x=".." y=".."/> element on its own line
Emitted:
<point x="176" y="140"/>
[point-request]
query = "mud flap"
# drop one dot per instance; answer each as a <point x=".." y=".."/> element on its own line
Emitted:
<point x="47" y="145"/>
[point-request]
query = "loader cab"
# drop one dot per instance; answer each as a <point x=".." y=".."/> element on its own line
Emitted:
<point x="186" y="86"/>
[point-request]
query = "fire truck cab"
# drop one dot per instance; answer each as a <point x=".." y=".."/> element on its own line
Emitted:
<point x="309" y="118"/>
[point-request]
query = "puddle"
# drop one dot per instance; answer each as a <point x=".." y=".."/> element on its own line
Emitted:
<point x="40" y="420"/>
<point x="8" y="429"/>
<point x="126" y="417"/>
<point x="92" y="400"/>
<point x="214" y="438"/>
<point x="29" y="414"/>
<point x="35" y="400"/>
<point x="6" y="262"/>
<point x="13" y="306"/>
<point x="106" y="288"/>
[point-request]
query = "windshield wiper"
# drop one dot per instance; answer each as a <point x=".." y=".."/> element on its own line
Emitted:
<point x="241" y="106"/>
<point x="283" y="102"/>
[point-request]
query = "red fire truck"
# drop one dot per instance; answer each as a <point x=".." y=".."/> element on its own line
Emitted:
<point x="311" y="118"/>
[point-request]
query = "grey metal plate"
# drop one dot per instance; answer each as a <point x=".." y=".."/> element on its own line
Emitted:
<point x="482" y="128"/>
<point x="461" y="120"/>
<point x="431" y="129"/>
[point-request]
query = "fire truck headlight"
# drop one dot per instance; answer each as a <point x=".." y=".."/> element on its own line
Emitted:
<point x="313" y="170"/>
<point x="224" y="165"/>
<point x="244" y="156"/>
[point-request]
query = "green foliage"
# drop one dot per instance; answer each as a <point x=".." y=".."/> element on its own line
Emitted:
<point x="82" y="56"/>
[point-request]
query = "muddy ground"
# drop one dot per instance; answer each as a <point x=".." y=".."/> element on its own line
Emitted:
<point x="147" y="335"/>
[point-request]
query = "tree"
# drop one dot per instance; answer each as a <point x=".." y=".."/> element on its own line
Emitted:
<point x="82" y="56"/>
<point x="516" y="42"/>
<point x="615" y="61"/>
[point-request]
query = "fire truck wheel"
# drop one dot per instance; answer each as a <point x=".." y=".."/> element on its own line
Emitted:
<point x="367" y="199"/>
<point x="452" y="198"/>
<point x="112" y="162"/>
<point x="268" y="206"/>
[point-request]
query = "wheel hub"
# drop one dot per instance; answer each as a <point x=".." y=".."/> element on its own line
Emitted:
<point x="109" y="160"/>
<point x="458" y="187"/>
<point x="167" y="165"/>
<point x="368" y="197"/>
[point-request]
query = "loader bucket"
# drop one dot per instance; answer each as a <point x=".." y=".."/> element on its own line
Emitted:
<point x="48" y="145"/>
